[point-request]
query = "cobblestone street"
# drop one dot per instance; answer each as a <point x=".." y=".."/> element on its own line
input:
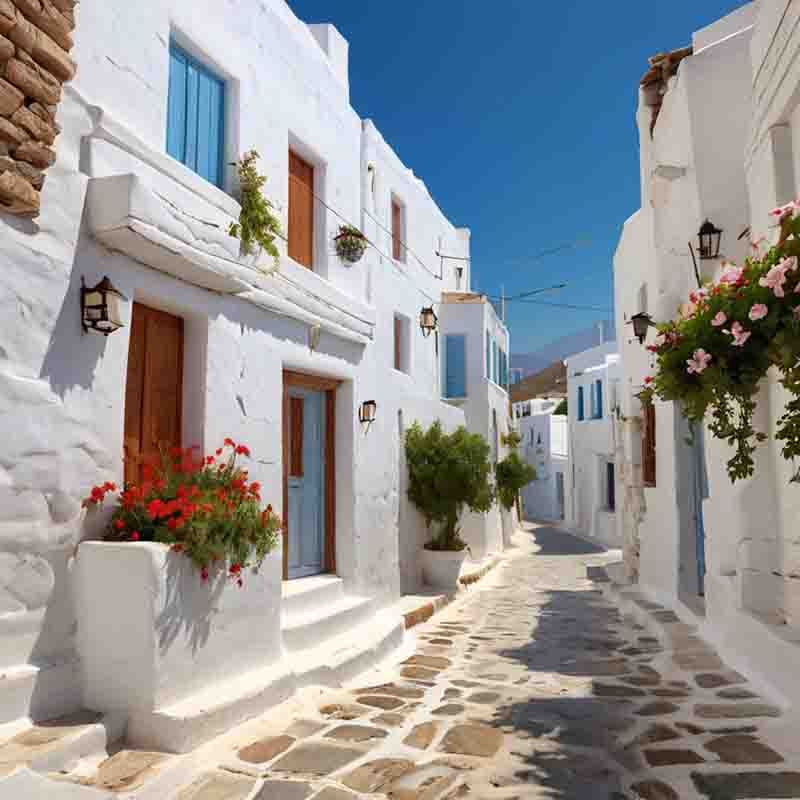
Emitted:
<point x="532" y="685"/>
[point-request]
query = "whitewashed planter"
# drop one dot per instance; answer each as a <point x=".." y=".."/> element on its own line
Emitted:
<point x="150" y="632"/>
<point x="442" y="568"/>
<point x="507" y="518"/>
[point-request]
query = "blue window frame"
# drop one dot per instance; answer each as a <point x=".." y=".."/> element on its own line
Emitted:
<point x="196" y="116"/>
<point x="581" y="411"/>
<point x="597" y="400"/>
<point x="455" y="367"/>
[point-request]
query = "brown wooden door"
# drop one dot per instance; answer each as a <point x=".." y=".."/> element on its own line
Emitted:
<point x="397" y="231"/>
<point x="301" y="211"/>
<point x="154" y="389"/>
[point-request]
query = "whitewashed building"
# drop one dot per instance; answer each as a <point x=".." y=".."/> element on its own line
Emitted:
<point x="166" y="96"/>
<point x="593" y="379"/>
<point x="475" y="347"/>
<point x="545" y="446"/>
<point x="719" y="130"/>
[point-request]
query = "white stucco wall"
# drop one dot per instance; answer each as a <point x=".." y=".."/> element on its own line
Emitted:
<point x="724" y="148"/>
<point x="545" y="447"/>
<point x="485" y="402"/>
<point x="592" y="442"/>
<point x="62" y="393"/>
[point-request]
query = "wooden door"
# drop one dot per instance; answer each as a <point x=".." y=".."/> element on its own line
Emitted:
<point x="309" y="474"/>
<point x="154" y="389"/>
<point x="306" y="489"/>
<point x="301" y="211"/>
<point x="397" y="231"/>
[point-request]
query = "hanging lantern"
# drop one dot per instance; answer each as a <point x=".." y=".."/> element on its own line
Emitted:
<point x="641" y="322"/>
<point x="367" y="412"/>
<point x="710" y="238"/>
<point x="428" y="321"/>
<point x="101" y="309"/>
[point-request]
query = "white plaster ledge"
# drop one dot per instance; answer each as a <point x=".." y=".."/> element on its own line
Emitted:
<point x="128" y="216"/>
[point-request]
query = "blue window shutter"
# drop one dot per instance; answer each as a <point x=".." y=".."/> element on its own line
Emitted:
<point x="196" y="117"/>
<point x="599" y="399"/>
<point x="176" y="111"/>
<point x="494" y="360"/>
<point x="580" y="404"/>
<point x="455" y="365"/>
<point x="488" y="356"/>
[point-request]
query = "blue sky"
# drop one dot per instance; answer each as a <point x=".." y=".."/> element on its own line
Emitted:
<point x="519" y="116"/>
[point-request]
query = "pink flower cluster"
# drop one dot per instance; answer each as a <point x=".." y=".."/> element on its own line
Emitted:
<point x="776" y="277"/>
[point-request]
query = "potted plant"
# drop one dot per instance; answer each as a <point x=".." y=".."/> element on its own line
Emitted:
<point x="511" y="475"/>
<point x="189" y="567"/>
<point x="350" y="244"/>
<point x="447" y="473"/>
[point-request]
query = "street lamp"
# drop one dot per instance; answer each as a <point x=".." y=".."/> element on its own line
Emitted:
<point x="367" y="412"/>
<point x="710" y="237"/>
<point x="101" y="309"/>
<point x="641" y="322"/>
<point x="428" y="321"/>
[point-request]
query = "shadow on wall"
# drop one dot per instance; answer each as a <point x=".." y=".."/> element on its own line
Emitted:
<point x="72" y="357"/>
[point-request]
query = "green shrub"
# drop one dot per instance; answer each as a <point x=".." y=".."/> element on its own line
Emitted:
<point x="447" y="472"/>
<point x="562" y="409"/>
<point x="511" y="474"/>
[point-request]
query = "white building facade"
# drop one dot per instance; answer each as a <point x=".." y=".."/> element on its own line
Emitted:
<point x="722" y="146"/>
<point x="545" y="446"/>
<point x="167" y="96"/>
<point x="593" y="379"/>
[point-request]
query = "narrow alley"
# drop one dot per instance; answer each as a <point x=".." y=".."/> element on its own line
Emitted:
<point x="531" y="685"/>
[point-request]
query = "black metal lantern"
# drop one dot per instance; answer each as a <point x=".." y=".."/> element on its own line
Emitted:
<point x="428" y="321"/>
<point x="641" y="322"/>
<point x="367" y="412"/>
<point x="710" y="238"/>
<point x="101" y="309"/>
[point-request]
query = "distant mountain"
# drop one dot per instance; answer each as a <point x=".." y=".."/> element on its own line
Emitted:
<point x="558" y="350"/>
<point x="550" y="382"/>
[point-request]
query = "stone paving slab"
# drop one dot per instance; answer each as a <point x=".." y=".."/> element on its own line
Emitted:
<point x="534" y="685"/>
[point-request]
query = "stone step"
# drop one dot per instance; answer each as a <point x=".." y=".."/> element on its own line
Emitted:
<point x="186" y="725"/>
<point x="341" y="658"/>
<point x="302" y="631"/>
<point x="25" y="688"/>
<point x="58" y="744"/>
<point x="307" y="595"/>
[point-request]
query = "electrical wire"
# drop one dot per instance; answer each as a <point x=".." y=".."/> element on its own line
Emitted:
<point x="566" y="305"/>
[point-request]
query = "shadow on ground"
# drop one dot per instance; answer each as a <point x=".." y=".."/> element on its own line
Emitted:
<point x="572" y="647"/>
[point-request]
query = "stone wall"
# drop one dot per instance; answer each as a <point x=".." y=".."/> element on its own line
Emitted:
<point x="35" y="40"/>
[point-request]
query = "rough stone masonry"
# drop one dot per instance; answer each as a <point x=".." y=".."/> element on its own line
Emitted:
<point x="35" y="41"/>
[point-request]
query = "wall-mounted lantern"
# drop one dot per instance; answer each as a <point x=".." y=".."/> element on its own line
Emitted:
<point x="428" y="321"/>
<point x="641" y="322"/>
<point x="710" y="239"/>
<point x="367" y="412"/>
<point x="101" y="309"/>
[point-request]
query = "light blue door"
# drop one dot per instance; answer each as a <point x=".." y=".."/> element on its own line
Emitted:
<point x="306" y="485"/>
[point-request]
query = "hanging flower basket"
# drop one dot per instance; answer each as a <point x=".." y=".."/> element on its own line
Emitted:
<point x="350" y="243"/>
<point x="713" y="356"/>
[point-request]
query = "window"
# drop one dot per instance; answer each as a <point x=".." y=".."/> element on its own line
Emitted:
<point x="398" y="230"/>
<point x="581" y="415"/>
<point x="649" y="445"/>
<point x="488" y="356"/>
<point x="455" y="367"/>
<point x="597" y="400"/>
<point x="611" y="489"/>
<point x="402" y="338"/>
<point x="494" y="361"/>
<point x="301" y="211"/>
<point x="196" y="116"/>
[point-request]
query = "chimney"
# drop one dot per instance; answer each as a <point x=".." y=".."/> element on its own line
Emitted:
<point x="336" y="48"/>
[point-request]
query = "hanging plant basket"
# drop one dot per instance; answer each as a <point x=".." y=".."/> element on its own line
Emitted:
<point x="350" y="243"/>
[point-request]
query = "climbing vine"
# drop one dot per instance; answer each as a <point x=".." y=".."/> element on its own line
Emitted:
<point x="257" y="226"/>
<point x="712" y="358"/>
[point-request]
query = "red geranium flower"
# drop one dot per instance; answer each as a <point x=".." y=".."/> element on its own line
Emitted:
<point x="135" y="536"/>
